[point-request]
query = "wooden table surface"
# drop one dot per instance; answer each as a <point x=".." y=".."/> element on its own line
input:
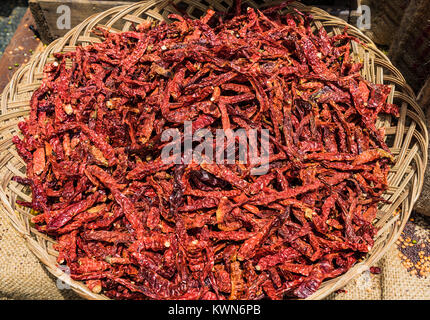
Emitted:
<point x="22" y="45"/>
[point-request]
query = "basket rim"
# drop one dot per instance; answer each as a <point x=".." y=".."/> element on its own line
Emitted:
<point x="119" y="11"/>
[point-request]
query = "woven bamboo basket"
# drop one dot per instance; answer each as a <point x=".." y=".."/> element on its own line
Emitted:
<point x="407" y="136"/>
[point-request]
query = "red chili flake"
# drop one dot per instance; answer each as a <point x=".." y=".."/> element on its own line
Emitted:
<point x="375" y="270"/>
<point x="341" y="291"/>
<point x="133" y="227"/>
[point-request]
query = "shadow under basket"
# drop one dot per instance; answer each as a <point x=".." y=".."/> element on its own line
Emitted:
<point x="406" y="136"/>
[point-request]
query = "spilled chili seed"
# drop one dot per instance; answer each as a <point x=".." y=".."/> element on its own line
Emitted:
<point x="133" y="227"/>
<point x="375" y="270"/>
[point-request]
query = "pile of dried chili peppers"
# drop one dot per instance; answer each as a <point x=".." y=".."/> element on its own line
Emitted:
<point x="133" y="227"/>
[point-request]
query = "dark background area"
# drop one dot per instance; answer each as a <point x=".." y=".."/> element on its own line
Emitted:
<point x="11" y="13"/>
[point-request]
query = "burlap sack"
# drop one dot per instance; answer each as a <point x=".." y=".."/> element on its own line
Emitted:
<point x="394" y="283"/>
<point x="22" y="276"/>
<point x="397" y="279"/>
<point x="399" y="284"/>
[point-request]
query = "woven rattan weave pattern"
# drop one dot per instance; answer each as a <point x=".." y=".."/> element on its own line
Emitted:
<point x="407" y="136"/>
